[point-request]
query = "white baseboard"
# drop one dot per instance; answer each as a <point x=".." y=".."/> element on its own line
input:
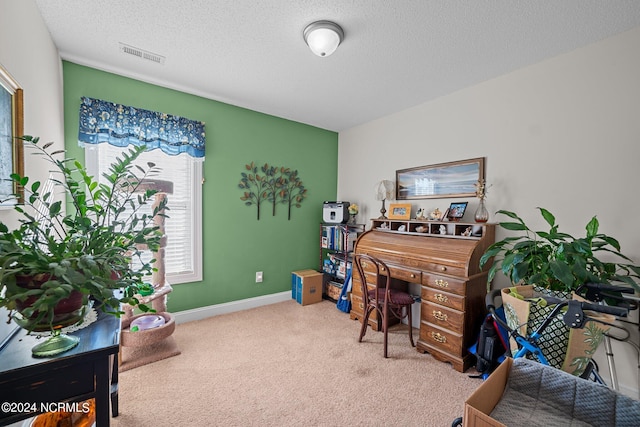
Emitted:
<point x="230" y="307"/>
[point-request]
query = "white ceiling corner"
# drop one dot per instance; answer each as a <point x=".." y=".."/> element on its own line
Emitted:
<point x="396" y="54"/>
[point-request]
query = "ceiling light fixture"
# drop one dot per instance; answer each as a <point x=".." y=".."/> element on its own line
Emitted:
<point x="323" y="37"/>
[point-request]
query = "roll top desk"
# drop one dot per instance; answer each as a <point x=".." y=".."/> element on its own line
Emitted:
<point x="444" y="258"/>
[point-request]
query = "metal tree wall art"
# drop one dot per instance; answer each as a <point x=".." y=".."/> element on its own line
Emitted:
<point x="292" y="191"/>
<point x="256" y="186"/>
<point x="275" y="184"/>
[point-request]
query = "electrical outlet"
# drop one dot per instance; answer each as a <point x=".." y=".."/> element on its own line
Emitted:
<point x="258" y="276"/>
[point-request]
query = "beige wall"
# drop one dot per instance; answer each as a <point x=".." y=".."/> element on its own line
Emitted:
<point x="563" y="134"/>
<point x="29" y="55"/>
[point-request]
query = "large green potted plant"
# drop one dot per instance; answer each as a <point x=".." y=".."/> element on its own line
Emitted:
<point x="58" y="261"/>
<point x="556" y="263"/>
<point x="556" y="260"/>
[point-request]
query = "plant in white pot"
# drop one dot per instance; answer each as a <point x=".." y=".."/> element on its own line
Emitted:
<point x="58" y="261"/>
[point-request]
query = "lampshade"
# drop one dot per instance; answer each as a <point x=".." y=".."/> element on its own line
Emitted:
<point x="385" y="190"/>
<point x="323" y="37"/>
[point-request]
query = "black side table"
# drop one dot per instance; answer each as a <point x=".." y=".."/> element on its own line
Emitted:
<point x="88" y="370"/>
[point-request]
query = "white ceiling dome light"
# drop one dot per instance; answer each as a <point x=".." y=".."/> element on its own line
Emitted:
<point x="323" y="37"/>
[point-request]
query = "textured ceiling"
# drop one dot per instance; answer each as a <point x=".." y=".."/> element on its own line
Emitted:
<point x="396" y="53"/>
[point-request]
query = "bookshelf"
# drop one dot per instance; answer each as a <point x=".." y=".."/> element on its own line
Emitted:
<point x="337" y="242"/>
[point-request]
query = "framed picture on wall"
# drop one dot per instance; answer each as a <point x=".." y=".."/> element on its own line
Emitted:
<point x="443" y="180"/>
<point x="11" y="127"/>
<point x="400" y="211"/>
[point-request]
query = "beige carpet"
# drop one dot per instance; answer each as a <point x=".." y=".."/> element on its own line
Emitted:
<point x="289" y="365"/>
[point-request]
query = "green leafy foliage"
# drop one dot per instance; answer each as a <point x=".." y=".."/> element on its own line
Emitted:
<point x="556" y="260"/>
<point x="87" y="247"/>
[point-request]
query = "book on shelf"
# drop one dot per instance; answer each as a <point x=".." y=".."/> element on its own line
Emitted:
<point x="338" y="238"/>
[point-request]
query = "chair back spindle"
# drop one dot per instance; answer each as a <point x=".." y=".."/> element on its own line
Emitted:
<point x="382" y="298"/>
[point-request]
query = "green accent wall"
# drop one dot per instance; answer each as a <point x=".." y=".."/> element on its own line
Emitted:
<point x="235" y="244"/>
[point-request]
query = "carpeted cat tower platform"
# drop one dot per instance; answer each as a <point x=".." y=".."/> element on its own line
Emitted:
<point x="146" y="338"/>
<point x="140" y="346"/>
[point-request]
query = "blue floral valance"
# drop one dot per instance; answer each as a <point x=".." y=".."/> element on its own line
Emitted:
<point x="121" y="125"/>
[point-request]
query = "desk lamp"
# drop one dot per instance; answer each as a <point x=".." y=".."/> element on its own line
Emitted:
<point x="384" y="190"/>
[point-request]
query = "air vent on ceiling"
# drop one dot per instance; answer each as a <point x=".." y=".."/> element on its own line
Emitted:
<point x="140" y="53"/>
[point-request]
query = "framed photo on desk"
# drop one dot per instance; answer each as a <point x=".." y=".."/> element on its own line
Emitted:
<point x="456" y="211"/>
<point x="400" y="211"/>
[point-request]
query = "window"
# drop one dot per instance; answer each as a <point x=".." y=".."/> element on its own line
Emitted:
<point x="183" y="254"/>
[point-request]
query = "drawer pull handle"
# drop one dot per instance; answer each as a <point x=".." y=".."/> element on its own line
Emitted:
<point x="442" y="283"/>
<point x="441" y="298"/>
<point x="361" y="306"/>
<point x="440" y="316"/>
<point x="443" y="268"/>
<point x="382" y="269"/>
<point x="440" y="338"/>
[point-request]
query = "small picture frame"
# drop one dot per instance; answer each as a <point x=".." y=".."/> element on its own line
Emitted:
<point x="456" y="211"/>
<point x="400" y="211"/>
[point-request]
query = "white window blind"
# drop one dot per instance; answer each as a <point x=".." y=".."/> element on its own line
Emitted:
<point x="183" y="253"/>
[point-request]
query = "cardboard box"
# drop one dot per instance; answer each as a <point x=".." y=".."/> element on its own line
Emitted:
<point x="480" y="404"/>
<point x="306" y="286"/>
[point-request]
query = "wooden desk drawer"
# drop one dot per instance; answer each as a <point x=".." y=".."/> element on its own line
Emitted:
<point x="356" y="287"/>
<point x="442" y="298"/>
<point x="444" y="283"/>
<point x="442" y="339"/>
<point x="357" y="312"/>
<point x="370" y="276"/>
<point x="357" y="305"/>
<point x="369" y="267"/>
<point x="397" y="272"/>
<point x="443" y="317"/>
<point x="406" y="274"/>
<point x="447" y="269"/>
<point x="393" y="258"/>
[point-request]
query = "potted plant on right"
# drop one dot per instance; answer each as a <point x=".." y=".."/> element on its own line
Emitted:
<point x="556" y="263"/>
<point x="58" y="261"/>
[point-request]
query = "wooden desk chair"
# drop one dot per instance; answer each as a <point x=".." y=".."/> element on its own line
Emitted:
<point x="383" y="298"/>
